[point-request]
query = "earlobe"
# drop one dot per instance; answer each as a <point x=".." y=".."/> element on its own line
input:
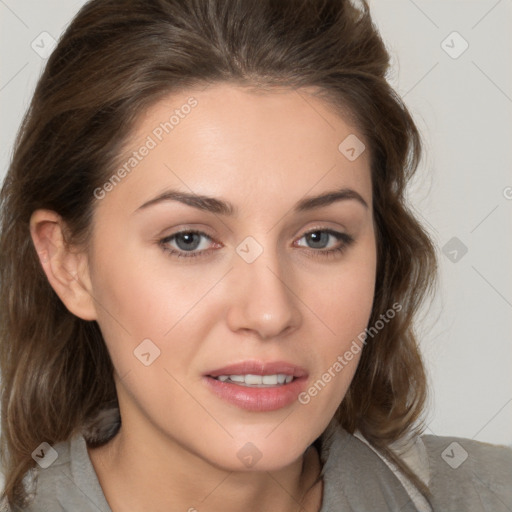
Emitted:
<point x="65" y="267"/>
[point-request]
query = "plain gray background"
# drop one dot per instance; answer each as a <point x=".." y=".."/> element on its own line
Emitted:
<point x="462" y="103"/>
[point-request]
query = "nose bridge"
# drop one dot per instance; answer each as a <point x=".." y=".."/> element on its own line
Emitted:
<point x="263" y="301"/>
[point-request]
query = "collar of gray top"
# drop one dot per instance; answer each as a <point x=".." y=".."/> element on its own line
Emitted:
<point x="356" y="479"/>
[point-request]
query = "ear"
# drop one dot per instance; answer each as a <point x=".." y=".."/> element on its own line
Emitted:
<point x="65" y="267"/>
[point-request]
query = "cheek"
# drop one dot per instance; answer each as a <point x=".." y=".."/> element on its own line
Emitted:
<point x="344" y="303"/>
<point x="343" y="295"/>
<point x="337" y="355"/>
<point x="141" y="287"/>
<point x="142" y="295"/>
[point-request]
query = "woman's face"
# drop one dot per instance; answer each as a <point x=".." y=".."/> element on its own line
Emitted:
<point x="251" y="293"/>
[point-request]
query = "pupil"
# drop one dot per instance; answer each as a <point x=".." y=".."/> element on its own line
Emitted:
<point x="191" y="241"/>
<point x="318" y="237"/>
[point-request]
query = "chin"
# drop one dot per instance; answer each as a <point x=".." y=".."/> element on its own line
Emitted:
<point x="263" y="449"/>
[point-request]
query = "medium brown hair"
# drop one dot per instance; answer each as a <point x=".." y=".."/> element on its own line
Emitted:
<point x="116" y="59"/>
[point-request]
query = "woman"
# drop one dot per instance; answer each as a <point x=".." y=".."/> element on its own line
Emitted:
<point x="209" y="272"/>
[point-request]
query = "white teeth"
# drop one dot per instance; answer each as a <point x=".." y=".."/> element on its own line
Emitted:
<point x="252" y="380"/>
<point x="257" y="380"/>
<point x="269" y="379"/>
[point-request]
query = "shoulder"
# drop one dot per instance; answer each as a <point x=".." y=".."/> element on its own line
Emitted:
<point x="42" y="479"/>
<point x="63" y="479"/>
<point x="356" y="477"/>
<point x="470" y="474"/>
<point x="460" y="474"/>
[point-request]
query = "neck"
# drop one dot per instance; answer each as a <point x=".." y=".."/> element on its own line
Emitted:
<point x="160" y="475"/>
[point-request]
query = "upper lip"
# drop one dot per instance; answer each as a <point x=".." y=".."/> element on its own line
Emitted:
<point x="259" y="368"/>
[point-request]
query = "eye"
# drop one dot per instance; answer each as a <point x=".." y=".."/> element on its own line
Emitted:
<point x="185" y="242"/>
<point x="191" y="243"/>
<point x="320" y="239"/>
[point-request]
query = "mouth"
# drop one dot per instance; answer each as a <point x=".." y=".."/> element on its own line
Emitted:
<point x="256" y="381"/>
<point x="257" y="386"/>
<point x="258" y="373"/>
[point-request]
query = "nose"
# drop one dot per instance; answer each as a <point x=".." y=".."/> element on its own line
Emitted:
<point x="263" y="300"/>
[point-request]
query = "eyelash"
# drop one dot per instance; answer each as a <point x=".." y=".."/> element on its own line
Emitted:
<point x="346" y="240"/>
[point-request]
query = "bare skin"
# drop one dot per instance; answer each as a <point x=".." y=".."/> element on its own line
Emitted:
<point x="306" y="496"/>
<point x="179" y="444"/>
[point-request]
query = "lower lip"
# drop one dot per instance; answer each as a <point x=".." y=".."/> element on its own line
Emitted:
<point x="257" y="399"/>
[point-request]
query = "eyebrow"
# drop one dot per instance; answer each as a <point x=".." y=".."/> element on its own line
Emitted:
<point x="221" y="207"/>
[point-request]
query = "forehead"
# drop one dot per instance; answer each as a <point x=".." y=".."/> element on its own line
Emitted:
<point x="247" y="114"/>
<point x="225" y="138"/>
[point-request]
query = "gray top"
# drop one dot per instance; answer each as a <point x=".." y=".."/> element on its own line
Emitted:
<point x="465" y="475"/>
